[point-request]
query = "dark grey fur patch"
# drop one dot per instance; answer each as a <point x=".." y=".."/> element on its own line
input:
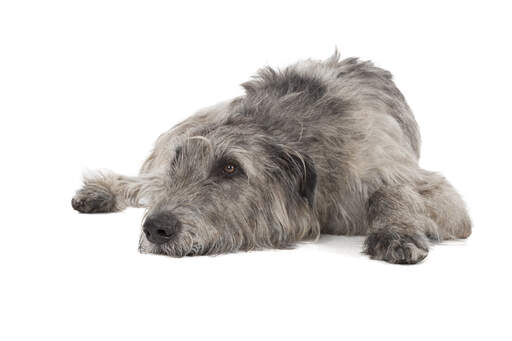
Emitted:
<point x="295" y="170"/>
<point x="279" y="84"/>
<point x="304" y="171"/>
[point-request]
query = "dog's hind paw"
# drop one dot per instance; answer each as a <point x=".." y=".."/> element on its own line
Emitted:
<point x="396" y="247"/>
<point x="92" y="199"/>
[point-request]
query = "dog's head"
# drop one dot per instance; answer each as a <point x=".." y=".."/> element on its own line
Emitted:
<point x="232" y="187"/>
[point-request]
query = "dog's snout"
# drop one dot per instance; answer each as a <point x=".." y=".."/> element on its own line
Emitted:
<point x="161" y="227"/>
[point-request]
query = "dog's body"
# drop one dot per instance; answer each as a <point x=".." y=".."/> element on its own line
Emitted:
<point x="321" y="147"/>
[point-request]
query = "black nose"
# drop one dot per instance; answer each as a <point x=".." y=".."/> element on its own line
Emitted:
<point x="161" y="227"/>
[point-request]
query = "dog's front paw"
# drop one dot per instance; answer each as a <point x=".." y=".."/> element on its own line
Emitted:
<point x="396" y="246"/>
<point x="94" y="199"/>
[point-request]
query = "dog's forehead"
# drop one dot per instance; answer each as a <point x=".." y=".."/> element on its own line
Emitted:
<point x="223" y="143"/>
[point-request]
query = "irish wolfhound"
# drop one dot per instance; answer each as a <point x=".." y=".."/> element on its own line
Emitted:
<point x="319" y="147"/>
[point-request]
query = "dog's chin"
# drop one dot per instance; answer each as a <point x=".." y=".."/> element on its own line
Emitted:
<point x="146" y="247"/>
<point x="177" y="247"/>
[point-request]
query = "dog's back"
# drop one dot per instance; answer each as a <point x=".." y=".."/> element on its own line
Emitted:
<point x="349" y="117"/>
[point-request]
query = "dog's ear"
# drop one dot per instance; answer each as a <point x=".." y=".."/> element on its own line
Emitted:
<point x="300" y="169"/>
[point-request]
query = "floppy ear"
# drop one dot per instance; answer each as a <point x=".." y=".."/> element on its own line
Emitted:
<point x="301" y="169"/>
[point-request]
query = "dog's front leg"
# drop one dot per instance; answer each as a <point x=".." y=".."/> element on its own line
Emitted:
<point x="398" y="226"/>
<point x="105" y="191"/>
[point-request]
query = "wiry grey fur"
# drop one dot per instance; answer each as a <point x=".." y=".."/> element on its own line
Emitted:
<point x="321" y="147"/>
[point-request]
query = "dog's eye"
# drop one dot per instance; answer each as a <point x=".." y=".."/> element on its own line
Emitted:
<point x="229" y="168"/>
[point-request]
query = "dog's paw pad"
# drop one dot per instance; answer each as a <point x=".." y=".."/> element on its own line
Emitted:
<point x="93" y="201"/>
<point x="396" y="247"/>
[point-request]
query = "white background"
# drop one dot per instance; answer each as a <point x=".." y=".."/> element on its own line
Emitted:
<point x="91" y="84"/>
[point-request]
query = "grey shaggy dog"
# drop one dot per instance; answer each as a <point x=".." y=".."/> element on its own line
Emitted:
<point x="320" y="147"/>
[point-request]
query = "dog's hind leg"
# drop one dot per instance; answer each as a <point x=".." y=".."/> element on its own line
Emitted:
<point x="104" y="192"/>
<point x="404" y="217"/>
<point x="444" y="206"/>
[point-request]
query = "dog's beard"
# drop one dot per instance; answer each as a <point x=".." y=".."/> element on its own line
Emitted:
<point x="145" y="246"/>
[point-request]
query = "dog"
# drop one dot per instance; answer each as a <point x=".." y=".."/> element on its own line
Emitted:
<point x="319" y="147"/>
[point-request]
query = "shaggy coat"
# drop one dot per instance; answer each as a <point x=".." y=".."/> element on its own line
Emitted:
<point x="319" y="147"/>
